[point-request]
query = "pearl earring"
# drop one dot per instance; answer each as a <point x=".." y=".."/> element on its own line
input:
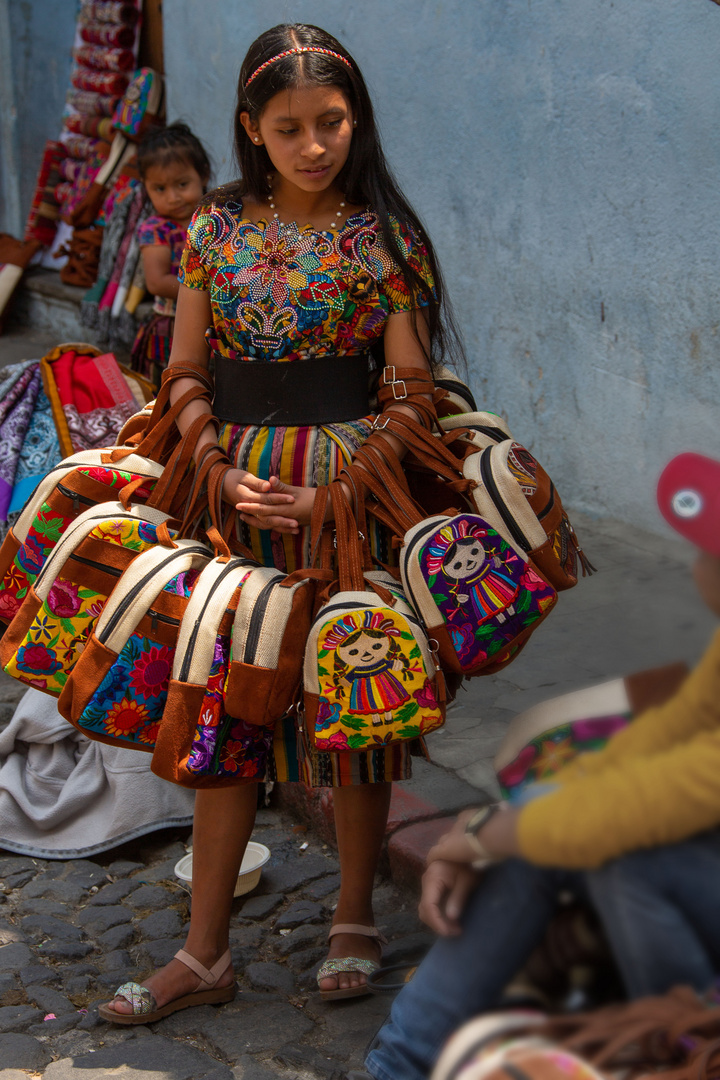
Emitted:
<point x="257" y="139"/>
<point x="354" y="123"/>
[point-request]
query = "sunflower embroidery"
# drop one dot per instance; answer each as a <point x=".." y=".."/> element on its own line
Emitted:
<point x="125" y="717"/>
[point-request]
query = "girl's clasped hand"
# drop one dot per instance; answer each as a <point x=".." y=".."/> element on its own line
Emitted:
<point x="269" y="504"/>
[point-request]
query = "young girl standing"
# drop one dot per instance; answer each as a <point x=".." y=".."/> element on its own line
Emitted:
<point x="299" y="269"/>
<point x="175" y="170"/>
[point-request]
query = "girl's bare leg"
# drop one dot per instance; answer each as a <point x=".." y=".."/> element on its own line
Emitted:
<point x="361" y="814"/>
<point x="224" y="820"/>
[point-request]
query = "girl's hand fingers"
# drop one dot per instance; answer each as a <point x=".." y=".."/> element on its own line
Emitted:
<point x="266" y="499"/>
<point x="278" y="524"/>
<point x="254" y="483"/>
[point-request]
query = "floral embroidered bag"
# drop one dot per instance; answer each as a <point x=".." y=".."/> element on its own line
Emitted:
<point x="117" y="689"/>
<point x="477" y="595"/>
<point x="77" y="483"/>
<point x="62" y="606"/>
<point x="370" y="677"/>
<point x="148" y="469"/>
<point x="199" y="743"/>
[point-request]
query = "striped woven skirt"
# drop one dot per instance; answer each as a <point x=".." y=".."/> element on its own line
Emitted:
<point x="309" y="457"/>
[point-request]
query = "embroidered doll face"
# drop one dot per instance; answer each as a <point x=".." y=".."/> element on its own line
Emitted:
<point x="364" y="648"/>
<point x="464" y="558"/>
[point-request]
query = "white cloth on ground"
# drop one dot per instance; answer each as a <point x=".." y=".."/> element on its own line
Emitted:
<point x="64" y="796"/>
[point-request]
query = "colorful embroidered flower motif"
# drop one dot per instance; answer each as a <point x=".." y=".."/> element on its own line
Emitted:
<point x="9" y="606"/>
<point x="152" y="671"/>
<point x="281" y="262"/>
<point x="425" y="696"/>
<point x="327" y="714"/>
<point x="63" y="599"/>
<point x="149" y="733"/>
<point x="230" y="755"/>
<point x="125" y="717"/>
<point x="31" y="556"/>
<point x="37" y="659"/>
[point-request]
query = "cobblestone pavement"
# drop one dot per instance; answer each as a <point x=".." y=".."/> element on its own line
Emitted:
<point x="70" y="932"/>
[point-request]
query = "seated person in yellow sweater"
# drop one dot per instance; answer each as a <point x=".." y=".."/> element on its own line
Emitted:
<point x="636" y="826"/>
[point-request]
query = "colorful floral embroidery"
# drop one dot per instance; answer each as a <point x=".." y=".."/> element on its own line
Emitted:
<point x="223" y="745"/>
<point x="280" y="292"/>
<point x="45" y="531"/>
<point x="551" y="750"/>
<point x="374" y="685"/>
<point x="62" y="626"/>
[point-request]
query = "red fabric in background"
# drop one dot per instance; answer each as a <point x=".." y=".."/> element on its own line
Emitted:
<point x="79" y="383"/>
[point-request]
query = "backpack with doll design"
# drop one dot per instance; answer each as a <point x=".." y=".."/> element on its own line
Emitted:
<point x="477" y="594"/>
<point x="370" y="677"/>
<point x="499" y="478"/>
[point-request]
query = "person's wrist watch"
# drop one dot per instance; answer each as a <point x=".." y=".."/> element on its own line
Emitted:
<point x="473" y="825"/>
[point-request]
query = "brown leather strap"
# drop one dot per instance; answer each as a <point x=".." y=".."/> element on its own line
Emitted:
<point x="349" y="554"/>
<point x="165" y="490"/>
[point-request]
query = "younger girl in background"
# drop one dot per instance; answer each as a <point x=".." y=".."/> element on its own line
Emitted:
<point x="175" y="170"/>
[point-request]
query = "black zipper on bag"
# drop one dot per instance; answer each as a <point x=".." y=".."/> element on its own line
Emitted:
<point x="75" y="496"/>
<point x="418" y="538"/>
<point x="548" y="505"/>
<point x="187" y="659"/>
<point x="322" y="614"/>
<point x="256" y="621"/>
<point x="113" y="570"/>
<point x="489" y="481"/>
<point x="494" y="433"/>
<point x="115" y="618"/>
<point x="157" y="616"/>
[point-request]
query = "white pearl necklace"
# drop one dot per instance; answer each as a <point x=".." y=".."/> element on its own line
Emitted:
<point x="333" y="224"/>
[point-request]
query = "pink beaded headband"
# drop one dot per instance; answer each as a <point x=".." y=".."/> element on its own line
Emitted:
<point x="292" y="52"/>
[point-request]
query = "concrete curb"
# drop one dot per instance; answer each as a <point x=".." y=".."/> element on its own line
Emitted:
<point x="421" y="810"/>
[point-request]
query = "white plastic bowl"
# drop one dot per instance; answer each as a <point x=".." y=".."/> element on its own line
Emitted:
<point x="256" y="855"/>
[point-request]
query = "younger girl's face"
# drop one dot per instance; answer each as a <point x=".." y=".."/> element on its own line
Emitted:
<point x="307" y="132"/>
<point x="174" y="189"/>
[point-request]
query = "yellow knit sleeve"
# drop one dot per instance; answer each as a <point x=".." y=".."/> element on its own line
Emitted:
<point x="639" y="803"/>
<point x="694" y="708"/>
<point x="656" y="782"/>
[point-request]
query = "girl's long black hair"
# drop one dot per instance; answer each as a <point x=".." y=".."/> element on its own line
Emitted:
<point x="365" y="178"/>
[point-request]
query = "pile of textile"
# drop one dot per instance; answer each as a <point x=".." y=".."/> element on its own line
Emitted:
<point x="73" y="399"/>
<point x="63" y="796"/>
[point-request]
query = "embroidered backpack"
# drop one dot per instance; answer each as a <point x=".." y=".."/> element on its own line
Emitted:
<point x="505" y="484"/>
<point x="62" y="606"/>
<point x="200" y="744"/>
<point x="116" y="691"/>
<point x="476" y="594"/>
<point x="152" y="469"/>
<point x="370" y="677"/>
<point x="76" y="484"/>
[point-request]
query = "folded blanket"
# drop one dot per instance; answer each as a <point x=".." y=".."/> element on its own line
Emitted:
<point x="63" y="796"/>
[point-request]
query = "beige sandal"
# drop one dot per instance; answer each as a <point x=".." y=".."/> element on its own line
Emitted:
<point x="349" y="963"/>
<point x="144" y="1006"/>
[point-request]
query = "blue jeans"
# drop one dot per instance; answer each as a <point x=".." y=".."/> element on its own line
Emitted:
<point x="659" y="909"/>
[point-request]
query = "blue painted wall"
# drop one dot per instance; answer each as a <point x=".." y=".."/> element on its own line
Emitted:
<point x="36" y="38"/>
<point x="565" y="156"/>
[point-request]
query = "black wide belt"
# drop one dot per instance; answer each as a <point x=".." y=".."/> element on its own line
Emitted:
<point x="291" y="393"/>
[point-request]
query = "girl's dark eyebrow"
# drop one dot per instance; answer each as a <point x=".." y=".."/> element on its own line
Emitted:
<point x="294" y="119"/>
